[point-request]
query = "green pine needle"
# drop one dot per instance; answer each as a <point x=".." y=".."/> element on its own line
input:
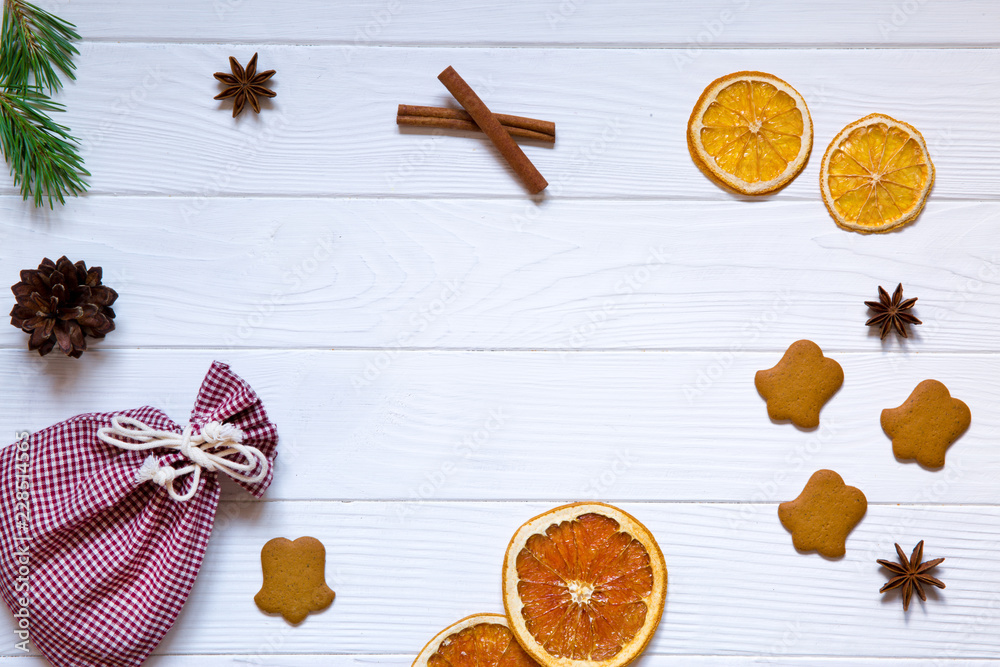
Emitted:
<point x="34" y="47"/>
<point x="43" y="159"/>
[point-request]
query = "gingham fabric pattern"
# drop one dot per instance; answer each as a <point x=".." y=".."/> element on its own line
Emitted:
<point x="112" y="561"/>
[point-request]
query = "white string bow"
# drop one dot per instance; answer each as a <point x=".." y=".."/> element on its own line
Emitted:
<point x="198" y="449"/>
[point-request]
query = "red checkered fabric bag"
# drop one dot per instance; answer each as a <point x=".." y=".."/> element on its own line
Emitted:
<point x="104" y="519"/>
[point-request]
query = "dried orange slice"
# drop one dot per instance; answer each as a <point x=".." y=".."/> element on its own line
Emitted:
<point x="480" y="640"/>
<point x="750" y="131"/>
<point x="584" y="585"/>
<point x="876" y="174"/>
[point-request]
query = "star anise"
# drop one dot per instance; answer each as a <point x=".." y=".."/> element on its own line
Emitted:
<point x="890" y="312"/>
<point x="911" y="573"/>
<point x="245" y="85"/>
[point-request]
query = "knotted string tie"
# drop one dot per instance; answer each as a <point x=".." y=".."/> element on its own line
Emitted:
<point x="200" y="449"/>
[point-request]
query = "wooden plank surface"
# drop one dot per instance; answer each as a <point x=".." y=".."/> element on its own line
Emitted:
<point x="446" y="357"/>
<point x="502" y="274"/>
<point x="734" y="589"/>
<point x="621" y="114"/>
<point x="687" y="24"/>
<point x="520" y="426"/>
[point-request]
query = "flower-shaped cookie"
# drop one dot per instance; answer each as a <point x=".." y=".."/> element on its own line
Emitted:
<point x="294" y="578"/>
<point x="801" y="383"/>
<point x="823" y="514"/>
<point x="925" y="425"/>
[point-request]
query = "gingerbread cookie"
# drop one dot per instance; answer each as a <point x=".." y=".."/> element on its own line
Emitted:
<point x="294" y="578"/>
<point x="800" y="384"/>
<point x="925" y="425"/>
<point x="823" y="514"/>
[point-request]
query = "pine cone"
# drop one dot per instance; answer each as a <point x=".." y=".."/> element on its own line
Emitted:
<point x="62" y="303"/>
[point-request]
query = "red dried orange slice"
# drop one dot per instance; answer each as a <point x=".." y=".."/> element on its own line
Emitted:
<point x="584" y="585"/>
<point x="480" y="640"/>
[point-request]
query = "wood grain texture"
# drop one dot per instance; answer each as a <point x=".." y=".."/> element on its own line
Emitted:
<point x="520" y="426"/>
<point x="153" y="127"/>
<point x="690" y="24"/>
<point x="733" y="590"/>
<point x="503" y="274"/>
<point x="446" y="357"/>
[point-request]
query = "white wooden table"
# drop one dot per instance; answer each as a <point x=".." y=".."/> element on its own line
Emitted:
<point x="446" y="357"/>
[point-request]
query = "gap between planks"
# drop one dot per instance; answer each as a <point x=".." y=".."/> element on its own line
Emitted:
<point x="592" y="46"/>
<point x="827" y="351"/>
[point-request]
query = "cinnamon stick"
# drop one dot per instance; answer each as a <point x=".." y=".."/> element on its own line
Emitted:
<point x="469" y="126"/>
<point x="485" y="119"/>
<point x="530" y="128"/>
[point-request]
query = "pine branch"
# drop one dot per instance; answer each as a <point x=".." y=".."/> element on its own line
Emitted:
<point x="42" y="155"/>
<point x="34" y="45"/>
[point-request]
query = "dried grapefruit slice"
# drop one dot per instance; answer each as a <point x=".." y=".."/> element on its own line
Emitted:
<point x="876" y="174"/>
<point x="750" y="131"/>
<point x="584" y="586"/>
<point x="480" y="640"/>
